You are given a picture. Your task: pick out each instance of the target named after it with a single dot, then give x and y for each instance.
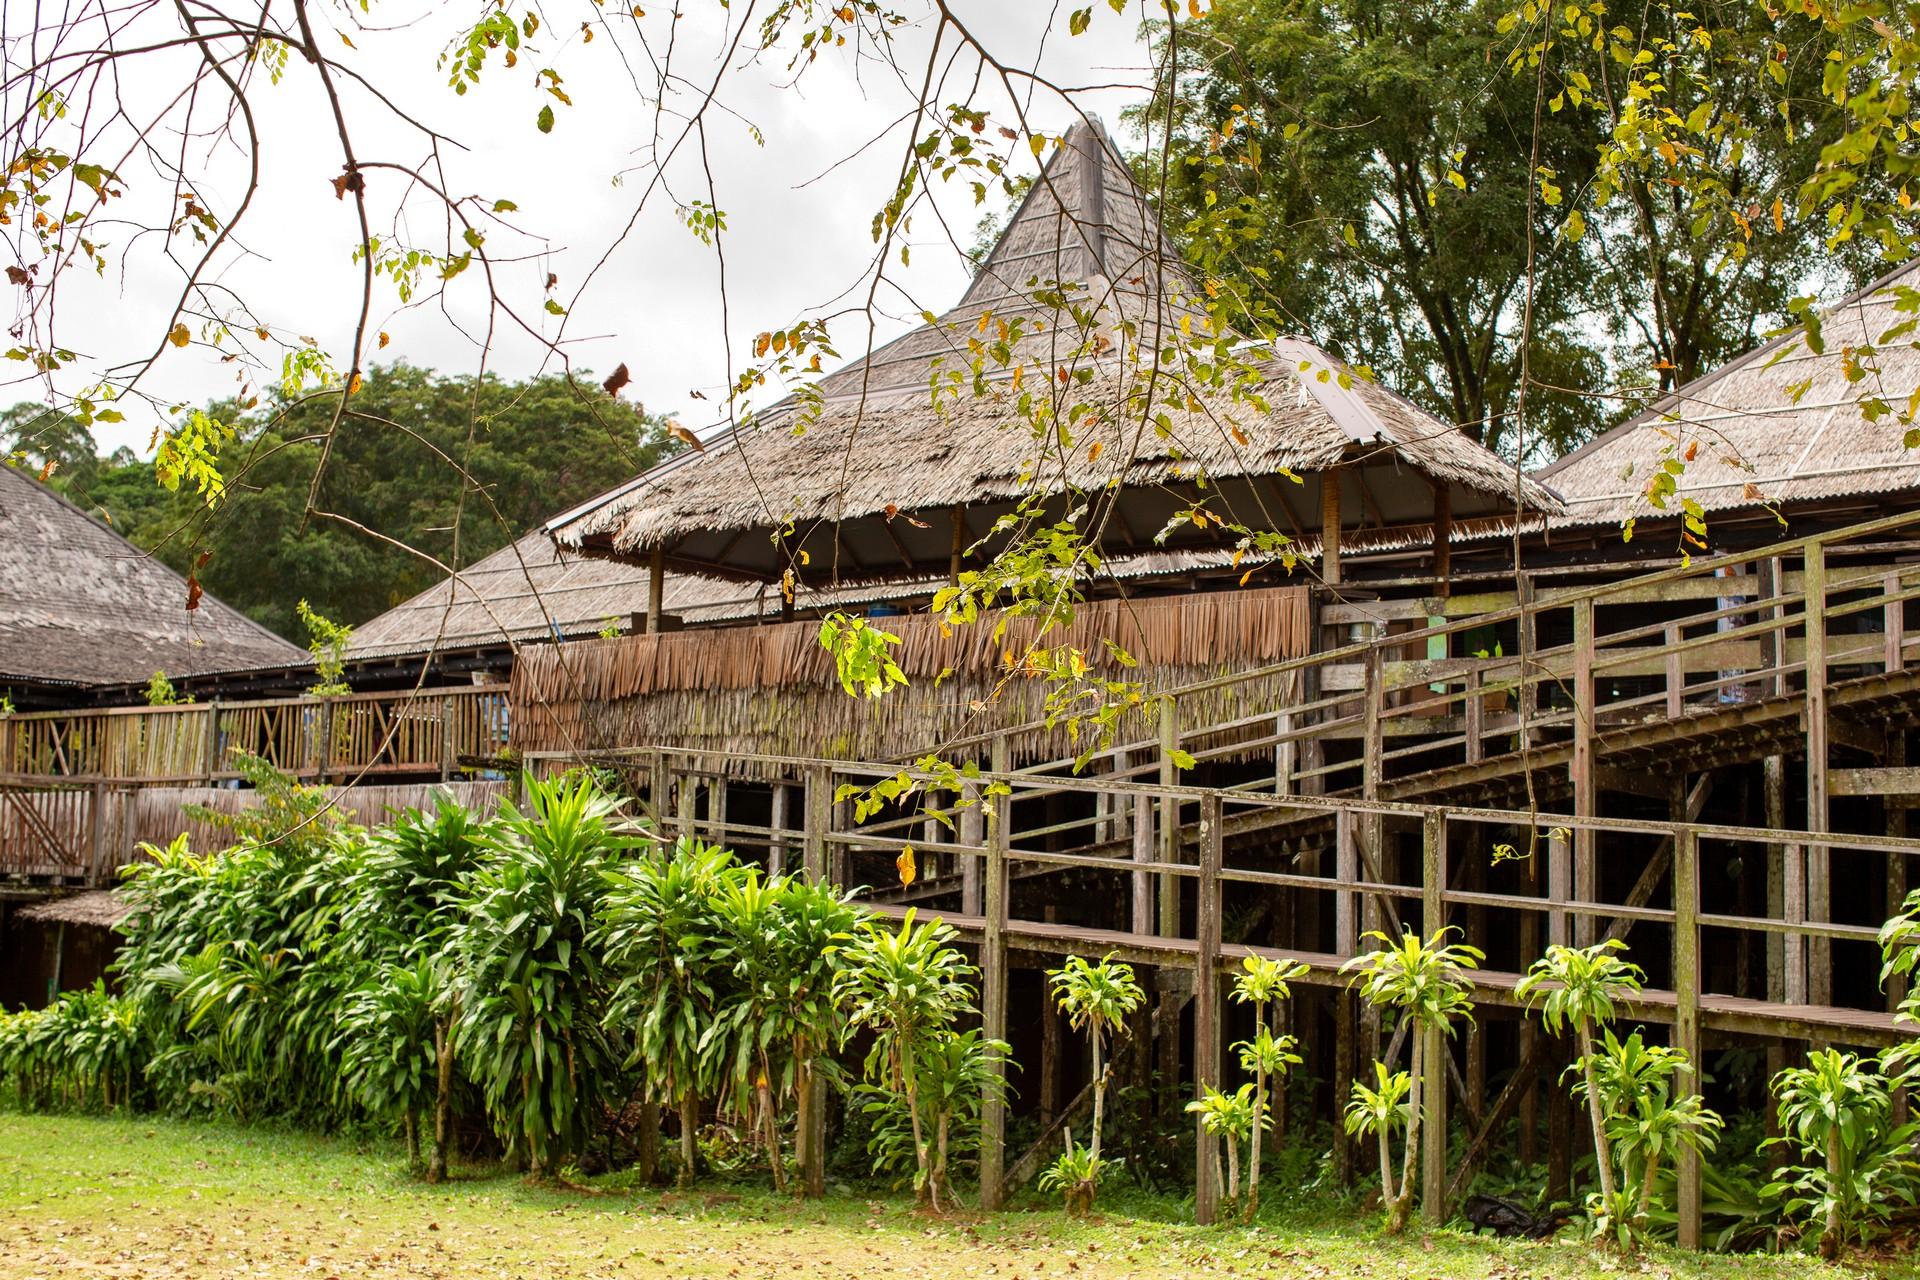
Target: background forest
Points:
(532, 447)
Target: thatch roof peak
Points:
(83, 606)
(821, 483)
(1780, 424)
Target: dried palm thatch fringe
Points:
(772, 689)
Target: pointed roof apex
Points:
(1084, 221)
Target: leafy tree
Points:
(1230, 1117)
(530, 447)
(1424, 980)
(1329, 131)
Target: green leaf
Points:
(544, 122)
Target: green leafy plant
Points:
(1855, 1166)
(328, 642)
(160, 691)
(906, 987)
(1097, 999)
(1230, 1117)
(1424, 980)
(1649, 1122)
(1263, 980)
(1075, 1173)
(532, 985)
(862, 655)
(1580, 988)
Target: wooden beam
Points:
(1818, 860)
(1900, 781)
(656, 587)
(1206, 1005)
(993, 991)
(1330, 526)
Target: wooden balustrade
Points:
(432, 731)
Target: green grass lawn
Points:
(84, 1196)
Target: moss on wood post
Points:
(1686, 1014)
(993, 989)
(1818, 858)
(1206, 1005)
(1433, 1090)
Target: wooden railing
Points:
(433, 731)
(1166, 858)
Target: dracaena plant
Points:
(1229, 1117)
(1425, 982)
(1097, 999)
(1262, 981)
(906, 986)
(1650, 1121)
(662, 935)
(1580, 988)
(1853, 1166)
(532, 983)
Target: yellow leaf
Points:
(178, 335)
(261, 333)
(904, 864)
(353, 385)
(1779, 214)
(1093, 451)
(384, 339)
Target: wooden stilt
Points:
(1206, 1003)
(993, 991)
(1169, 841)
(1433, 1090)
(1586, 869)
(817, 806)
(778, 819)
(1686, 1016)
(1817, 857)
(972, 835)
(1049, 1046)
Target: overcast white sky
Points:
(798, 228)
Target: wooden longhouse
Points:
(1470, 703)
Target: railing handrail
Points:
(224, 706)
(1559, 598)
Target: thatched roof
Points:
(864, 492)
(1752, 439)
(102, 908)
(81, 605)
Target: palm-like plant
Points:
(907, 987)
(390, 1053)
(1097, 999)
(1836, 1113)
(661, 934)
(1580, 987)
(1230, 1117)
(1424, 979)
(1647, 1123)
(531, 975)
(780, 939)
(1262, 981)
(1380, 1112)
(1075, 1174)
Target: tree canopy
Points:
(528, 448)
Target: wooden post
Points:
(959, 545)
(1817, 858)
(1346, 935)
(97, 835)
(1586, 870)
(1443, 537)
(816, 800)
(686, 798)
(777, 819)
(213, 740)
(717, 810)
(1433, 1088)
(973, 835)
(1893, 616)
(1559, 891)
(993, 991)
(1686, 1012)
(1474, 711)
(1169, 841)
(1330, 526)
(448, 720)
(1050, 1046)
(1142, 914)
(1676, 678)
(656, 587)
(1206, 1004)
